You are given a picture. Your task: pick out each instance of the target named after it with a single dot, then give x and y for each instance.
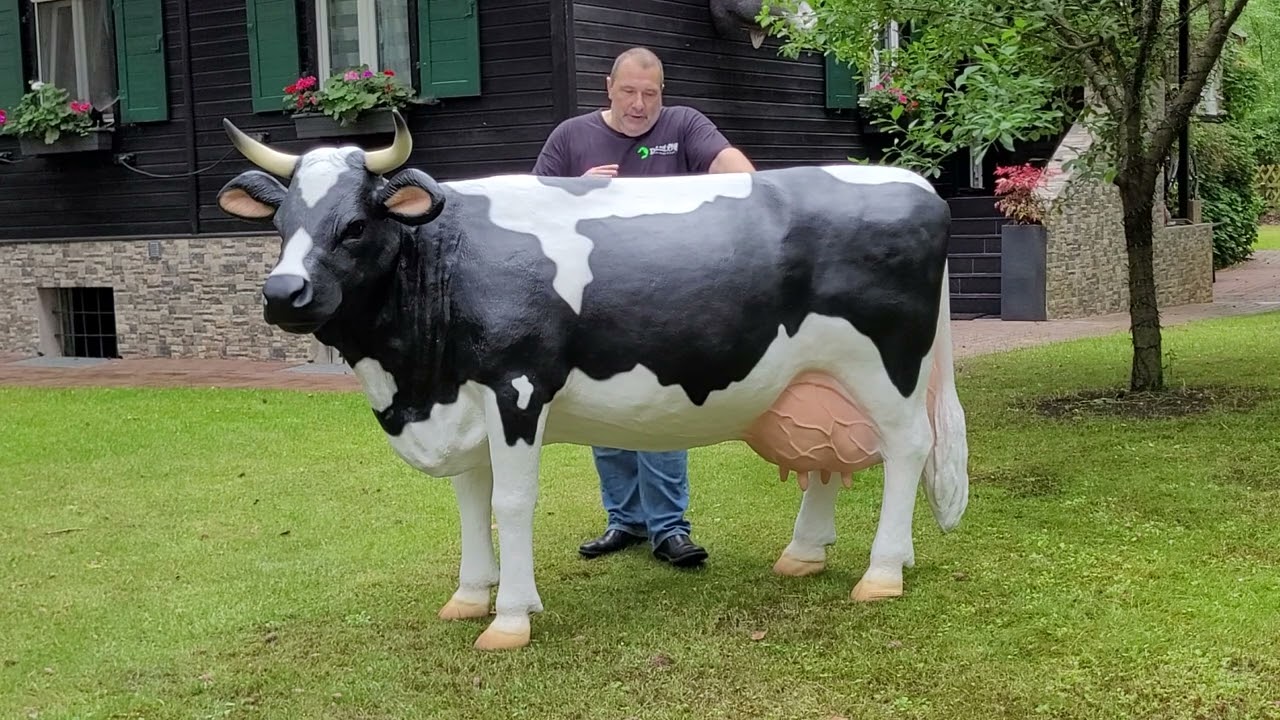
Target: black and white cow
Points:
(803, 310)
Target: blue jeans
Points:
(645, 493)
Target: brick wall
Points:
(199, 298)
(1087, 268)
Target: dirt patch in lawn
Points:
(1168, 403)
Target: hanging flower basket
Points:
(355, 102)
(47, 122)
(97, 139)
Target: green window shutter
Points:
(842, 84)
(140, 69)
(448, 48)
(273, 51)
(12, 81)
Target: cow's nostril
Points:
(287, 289)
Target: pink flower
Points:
(902, 98)
(351, 75)
(367, 73)
(3, 117)
(80, 107)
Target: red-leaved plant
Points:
(1016, 187)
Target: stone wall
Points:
(1087, 267)
(199, 298)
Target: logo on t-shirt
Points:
(665, 149)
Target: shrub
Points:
(1016, 187)
(1225, 166)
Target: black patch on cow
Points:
(695, 297)
(578, 186)
(698, 298)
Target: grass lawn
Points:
(201, 554)
(1268, 238)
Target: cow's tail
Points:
(946, 472)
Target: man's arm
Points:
(553, 160)
(709, 150)
(731, 159)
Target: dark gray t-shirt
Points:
(681, 142)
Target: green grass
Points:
(1268, 238)
(262, 554)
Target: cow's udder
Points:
(816, 426)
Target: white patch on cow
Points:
(523, 204)
(293, 259)
(379, 385)
(633, 410)
(525, 390)
(875, 175)
(451, 440)
(319, 170)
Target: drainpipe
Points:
(1184, 137)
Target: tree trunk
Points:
(1138, 201)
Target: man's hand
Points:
(602, 171)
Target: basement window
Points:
(85, 318)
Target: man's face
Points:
(635, 97)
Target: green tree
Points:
(998, 71)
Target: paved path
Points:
(1252, 287)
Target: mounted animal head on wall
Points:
(340, 219)
(734, 18)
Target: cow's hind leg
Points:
(907, 440)
(814, 530)
(478, 570)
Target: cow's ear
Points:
(252, 195)
(411, 197)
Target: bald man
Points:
(645, 494)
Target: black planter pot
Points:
(1022, 272)
(372, 122)
(95, 141)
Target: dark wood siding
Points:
(501, 130)
(771, 107)
(88, 195)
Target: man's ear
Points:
(411, 197)
(251, 195)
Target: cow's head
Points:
(732, 17)
(338, 219)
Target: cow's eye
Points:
(354, 230)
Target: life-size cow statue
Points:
(803, 310)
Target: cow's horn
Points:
(390, 158)
(273, 161)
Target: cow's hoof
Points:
(457, 609)
(502, 639)
(869, 589)
(792, 567)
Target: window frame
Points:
(367, 27)
(80, 43)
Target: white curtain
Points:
(344, 34)
(56, 30)
(100, 31)
(393, 37)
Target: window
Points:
(889, 42)
(75, 40)
(363, 32)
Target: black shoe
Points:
(680, 551)
(611, 541)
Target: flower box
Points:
(317, 125)
(96, 140)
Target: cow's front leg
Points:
(814, 530)
(515, 443)
(478, 570)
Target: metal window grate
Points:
(87, 322)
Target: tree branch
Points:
(1092, 67)
(1197, 74)
(1138, 82)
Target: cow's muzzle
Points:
(287, 303)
